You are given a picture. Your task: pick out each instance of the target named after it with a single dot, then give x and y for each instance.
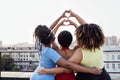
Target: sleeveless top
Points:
(65, 76)
(93, 58)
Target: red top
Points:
(65, 76)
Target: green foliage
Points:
(7, 63)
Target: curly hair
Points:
(90, 36)
(65, 38)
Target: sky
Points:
(19, 18)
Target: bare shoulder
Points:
(76, 57)
(78, 51)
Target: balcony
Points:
(25, 59)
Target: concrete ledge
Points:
(16, 74)
(26, 75)
(115, 76)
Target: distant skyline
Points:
(19, 18)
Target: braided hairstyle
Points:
(90, 36)
(44, 34)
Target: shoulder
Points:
(49, 50)
(51, 53)
(78, 50)
(77, 56)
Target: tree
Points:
(7, 63)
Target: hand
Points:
(67, 13)
(67, 23)
(96, 71)
(71, 22)
(72, 14)
(41, 71)
(64, 14)
(64, 23)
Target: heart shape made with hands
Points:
(67, 14)
(66, 23)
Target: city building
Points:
(0, 43)
(112, 59)
(111, 41)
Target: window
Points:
(21, 55)
(113, 57)
(118, 57)
(107, 65)
(113, 66)
(118, 66)
(107, 57)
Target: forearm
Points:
(72, 66)
(58, 25)
(55, 23)
(56, 70)
(79, 68)
(56, 28)
(80, 20)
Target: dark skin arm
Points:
(56, 70)
(57, 20)
(78, 18)
(70, 66)
(64, 63)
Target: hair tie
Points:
(50, 34)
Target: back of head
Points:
(65, 38)
(43, 34)
(90, 36)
